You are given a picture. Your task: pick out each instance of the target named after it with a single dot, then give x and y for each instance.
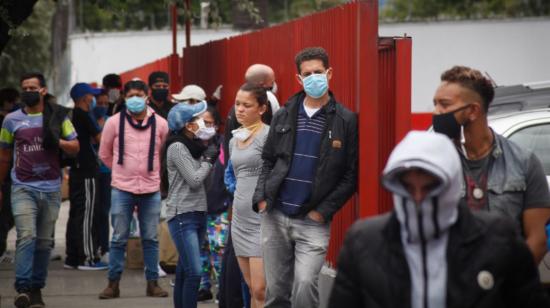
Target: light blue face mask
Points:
(135, 104)
(94, 104)
(315, 85)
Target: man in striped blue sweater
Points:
(309, 172)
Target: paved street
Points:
(71, 288)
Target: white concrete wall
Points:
(94, 55)
(511, 51)
(97, 54)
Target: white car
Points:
(522, 114)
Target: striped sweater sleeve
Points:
(180, 158)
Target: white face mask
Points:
(114, 95)
(204, 133)
(242, 134)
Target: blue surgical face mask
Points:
(135, 104)
(315, 85)
(100, 111)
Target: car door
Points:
(535, 135)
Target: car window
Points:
(537, 139)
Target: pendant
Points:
(478, 193)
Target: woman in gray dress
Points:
(245, 150)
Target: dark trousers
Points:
(81, 242)
(6, 217)
(230, 293)
(103, 206)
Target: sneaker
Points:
(162, 273)
(55, 257)
(70, 267)
(7, 258)
(36, 299)
(97, 266)
(172, 283)
(105, 258)
(22, 300)
(204, 295)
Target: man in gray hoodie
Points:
(430, 251)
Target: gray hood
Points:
(436, 154)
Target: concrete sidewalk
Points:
(73, 288)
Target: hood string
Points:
(407, 227)
(435, 212)
(424, 253)
(124, 116)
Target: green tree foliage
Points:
(29, 46)
(113, 15)
(410, 10)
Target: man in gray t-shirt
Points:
(536, 190)
(499, 176)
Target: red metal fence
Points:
(371, 77)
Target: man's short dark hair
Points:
(36, 75)
(135, 85)
(111, 81)
(311, 53)
(473, 80)
(8, 95)
(158, 76)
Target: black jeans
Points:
(6, 216)
(230, 293)
(81, 242)
(103, 206)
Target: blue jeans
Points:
(188, 231)
(35, 214)
(122, 207)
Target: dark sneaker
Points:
(69, 266)
(36, 299)
(204, 295)
(97, 266)
(22, 300)
(55, 257)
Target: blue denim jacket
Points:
(507, 179)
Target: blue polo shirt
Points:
(296, 188)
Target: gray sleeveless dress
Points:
(245, 226)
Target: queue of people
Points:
(249, 210)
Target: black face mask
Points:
(447, 124)
(30, 99)
(160, 95)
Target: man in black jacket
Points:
(309, 172)
(430, 251)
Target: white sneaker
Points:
(105, 258)
(161, 272)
